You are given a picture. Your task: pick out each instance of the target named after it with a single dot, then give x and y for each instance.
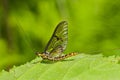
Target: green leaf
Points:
(80, 67)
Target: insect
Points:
(57, 44)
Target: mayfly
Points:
(57, 44)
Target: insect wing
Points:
(57, 43)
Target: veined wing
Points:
(58, 41)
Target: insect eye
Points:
(37, 53)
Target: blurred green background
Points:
(27, 25)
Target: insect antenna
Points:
(26, 38)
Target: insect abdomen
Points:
(62, 57)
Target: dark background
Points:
(27, 25)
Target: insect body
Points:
(57, 44)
